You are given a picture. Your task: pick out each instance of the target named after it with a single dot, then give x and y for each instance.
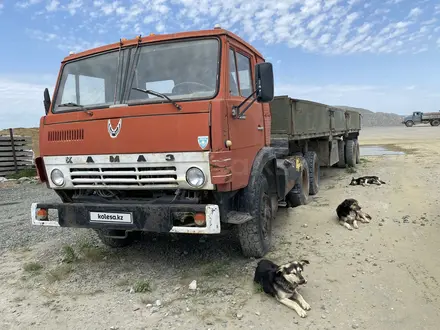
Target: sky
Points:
(381, 55)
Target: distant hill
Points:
(370, 118)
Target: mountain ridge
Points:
(370, 118)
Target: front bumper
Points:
(144, 217)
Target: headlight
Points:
(195, 177)
(57, 177)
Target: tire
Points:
(341, 151)
(114, 242)
(256, 235)
(409, 123)
(350, 152)
(314, 171)
(435, 122)
(358, 152)
(299, 195)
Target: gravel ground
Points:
(15, 201)
(381, 276)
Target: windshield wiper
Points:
(71, 104)
(149, 91)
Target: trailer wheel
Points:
(299, 195)
(341, 151)
(409, 123)
(255, 235)
(358, 152)
(350, 153)
(105, 237)
(435, 122)
(314, 171)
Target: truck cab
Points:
(416, 117)
(161, 133)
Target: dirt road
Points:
(384, 275)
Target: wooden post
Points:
(11, 134)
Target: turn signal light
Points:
(200, 219)
(42, 214)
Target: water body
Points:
(378, 151)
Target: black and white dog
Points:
(349, 211)
(366, 180)
(282, 282)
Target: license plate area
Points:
(111, 217)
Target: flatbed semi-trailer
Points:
(183, 135)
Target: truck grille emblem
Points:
(114, 131)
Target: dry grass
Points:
(350, 169)
(214, 268)
(59, 273)
(32, 267)
(69, 254)
(142, 286)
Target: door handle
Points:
(260, 128)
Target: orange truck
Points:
(172, 134)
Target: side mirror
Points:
(46, 101)
(264, 82)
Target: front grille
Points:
(120, 177)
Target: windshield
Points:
(183, 70)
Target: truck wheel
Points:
(358, 152)
(341, 150)
(409, 123)
(255, 235)
(350, 153)
(435, 122)
(299, 195)
(104, 234)
(314, 171)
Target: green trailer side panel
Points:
(281, 115)
(337, 120)
(310, 118)
(299, 119)
(353, 120)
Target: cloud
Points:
(22, 100)
(333, 27)
(65, 43)
(52, 5)
(26, 4)
(415, 12)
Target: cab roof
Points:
(162, 37)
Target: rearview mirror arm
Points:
(236, 108)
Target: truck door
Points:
(247, 135)
(417, 116)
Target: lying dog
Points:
(366, 180)
(349, 211)
(282, 282)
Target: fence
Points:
(15, 153)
